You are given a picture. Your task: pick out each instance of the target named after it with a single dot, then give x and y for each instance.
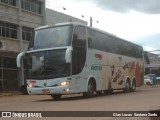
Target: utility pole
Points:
(44, 13)
(20, 70)
(91, 21)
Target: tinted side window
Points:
(91, 39)
(79, 49)
(96, 40)
(79, 37)
(108, 43)
(128, 49)
(100, 41)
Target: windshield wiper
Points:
(48, 70)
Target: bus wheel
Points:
(56, 96)
(91, 89)
(127, 88)
(133, 88)
(23, 89)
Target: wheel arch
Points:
(92, 78)
(90, 87)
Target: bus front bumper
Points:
(49, 90)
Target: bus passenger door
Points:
(79, 53)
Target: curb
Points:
(5, 94)
(13, 93)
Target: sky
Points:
(137, 21)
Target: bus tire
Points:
(133, 88)
(127, 87)
(90, 89)
(23, 89)
(56, 96)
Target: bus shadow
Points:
(62, 99)
(80, 97)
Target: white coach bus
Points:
(73, 58)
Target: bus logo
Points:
(45, 84)
(96, 67)
(99, 56)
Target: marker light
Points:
(68, 90)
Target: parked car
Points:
(148, 79)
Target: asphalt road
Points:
(145, 98)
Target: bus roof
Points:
(60, 24)
(76, 23)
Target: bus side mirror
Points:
(19, 58)
(69, 55)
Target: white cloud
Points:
(124, 6)
(131, 25)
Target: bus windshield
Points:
(58, 36)
(47, 64)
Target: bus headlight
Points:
(64, 83)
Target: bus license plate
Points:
(45, 91)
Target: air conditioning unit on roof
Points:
(2, 45)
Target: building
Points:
(53, 17)
(153, 67)
(18, 18)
